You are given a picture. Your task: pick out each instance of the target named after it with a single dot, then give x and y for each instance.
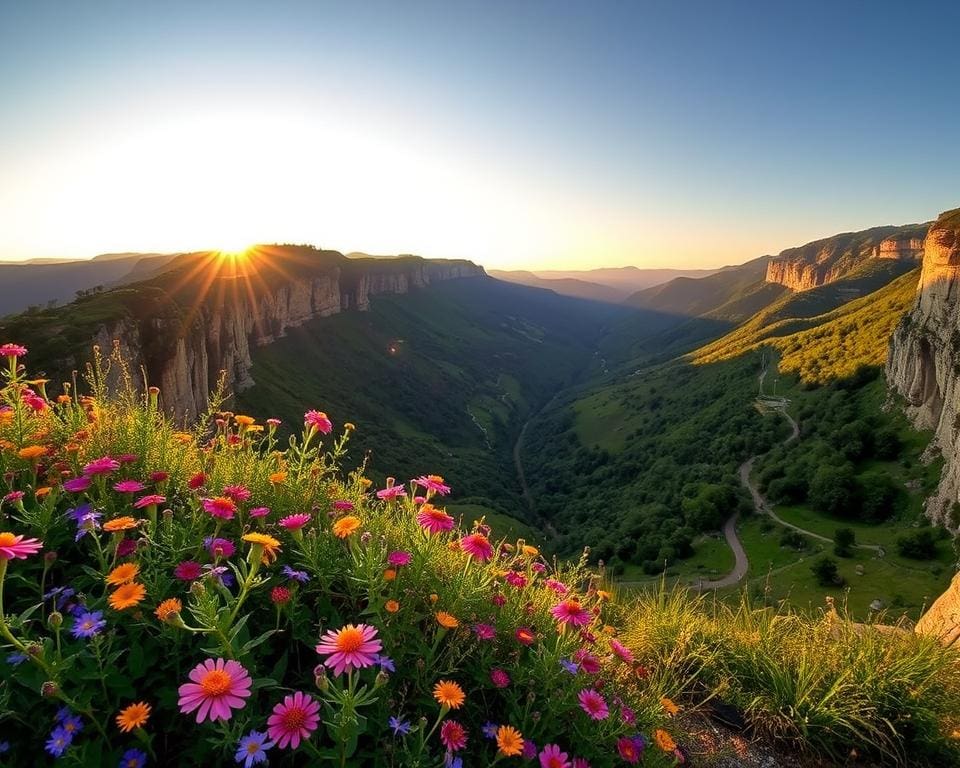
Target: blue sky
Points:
(518, 134)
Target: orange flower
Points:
(119, 524)
(245, 421)
(183, 438)
(269, 545)
(32, 452)
(366, 482)
(345, 526)
(530, 551)
(449, 694)
(134, 716)
(669, 706)
(349, 426)
(434, 597)
(602, 595)
(509, 740)
(122, 574)
(277, 477)
(664, 740)
(127, 596)
(447, 620)
(42, 491)
(168, 608)
(392, 606)
(389, 574)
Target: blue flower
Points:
(385, 663)
(450, 761)
(133, 758)
(293, 575)
(252, 749)
(400, 727)
(62, 714)
(569, 666)
(58, 742)
(490, 730)
(72, 724)
(14, 659)
(4, 747)
(88, 624)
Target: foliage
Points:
(825, 570)
(843, 541)
(163, 548)
(919, 545)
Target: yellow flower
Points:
(391, 606)
(663, 740)
(509, 740)
(449, 694)
(447, 620)
(127, 595)
(134, 716)
(269, 545)
(122, 574)
(168, 608)
(346, 526)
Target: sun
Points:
(235, 252)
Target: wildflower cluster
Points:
(209, 596)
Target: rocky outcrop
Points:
(830, 259)
(923, 364)
(942, 619)
(185, 347)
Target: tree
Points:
(832, 489)
(827, 573)
(919, 545)
(843, 541)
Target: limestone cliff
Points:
(924, 359)
(832, 258)
(206, 314)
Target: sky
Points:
(518, 134)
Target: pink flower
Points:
(399, 558)
(499, 600)
(571, 612)
(516, 579)
(12, 351)
(188, 570)
(102, 466)
(580, 762)
(538, 567)
(391, 492)
(217, 688)
(126, 547)
(593, 704)
(621, 651)
(628, 716)
(433, 483)
(196, 482)
(295, 522)
(342, 505)
(149, 501)
(478, 546)
(220, 547)
(274, 423)
(557, 586)
(220, 506)
(630, 748)
(351, 647)
(525, 635)
(587, 661)
(76, 484)
(453, 735)
(317, 420)
(237, 492)
(484, 631)
(552, 757)
(16, 547)
(127, 458)
(128, 486)
(12, 497)
(499, 678)
(158, 477)
(33, 401)
(259, 512)
(293, 720)
(434, 520)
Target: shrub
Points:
(919, 545)
(826, 572)
(843, 541)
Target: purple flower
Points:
(569, 666)
(72, 724)
(16, 659)
(133, 758)
(252, 749)
(76, 484)
(88, 624)
(58, 742)
(385, 663)
(218, 547)
(399, 727)
(490, 730)
(293, 575)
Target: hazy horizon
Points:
(536, 137)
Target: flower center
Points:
(294, 718)
(253, 748)
(216, 683)
(7, 539)
(349, 640)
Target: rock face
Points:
(186, 346)
(832, 258)
(942, 619)
(923, 363)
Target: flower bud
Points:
(381, 679)
(50, 557)
(197, 589)
(320, 678)
(49, 689)
(55, 620)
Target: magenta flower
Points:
(102, 466)
(516, 579)
(485, 631)
(295, 522)
(499, 678)
(571, 612)
(127, 458)
(552, 757)
(219, 547)
(14, 547)
(293, 720)
(433, 483)
(217, 688)
(391, 492)
(317, 420)
(149, 501)
(350, 647)
(128, 486)
(188, 570)
(477, 546)
(434, 520)
(126, 547)
(593, 704)
(12, 351)
(77, 484)
(630, 748)
(220, 506)
(621, 651)
(342, 505)
(557, 586)
(399, 558)
(12, 497)
(587, 661)
(259, 512)
(238, 493)
(453, 735)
